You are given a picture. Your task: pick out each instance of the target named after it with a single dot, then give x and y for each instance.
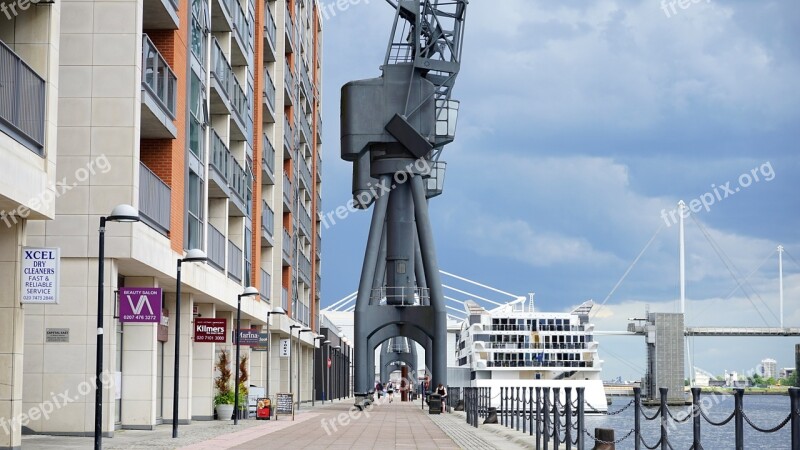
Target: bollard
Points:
(696, 418)
(568, 417)
(581, 413)
(637, 418)
(664, 414)
(738, 396)
(516, 411)
(538, 418)
(524, 414)
(605, 435)
(794, 396)
(502, 406)
(556, 420)
(546, 418)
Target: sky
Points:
(582, 125)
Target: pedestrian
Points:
(390, 391)
(442, 391)
(379, 388)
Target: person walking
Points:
(390, 391)
(379, 388)
(442, 391)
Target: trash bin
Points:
(435, 404)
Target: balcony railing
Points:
(239, 19)
(288, 134)
(222, 71)
(304, 266)
(305, 127)
(269, 89)
(154, 200)
(285, 300)
(267, 219)
(157, 77)
(305, 80)
(270, 27)
(216, 248)
(288, 79)
(287, 244)
(266, 284)
(22, 102)
(305, 221)
(305, 174)
(228, 167)
(289, 29)
(234, 261)
(288, 189)
(269, 155)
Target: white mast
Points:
(780, 278)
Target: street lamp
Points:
(120, 213)
(335, 392)
(317, 338)
(326, 372)
(249, 291)
(193, 255)
(341, 365)
(299, 344)
(280, 312)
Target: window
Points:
(198, 29)
(194, 234)
(248, 254)
(199, 119)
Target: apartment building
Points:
(28, 115)
(204, 115)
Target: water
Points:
(765, 411)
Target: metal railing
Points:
(270, 26)
(285, 299)
(22, 98)
(533, 346)
(305, 127)
(267, 219)
(216, 248)
(400, 295)
(154, 199)
(269, 89)
(288, 245)
(239, 19)
(509, 327)
(234, 261)
(288, 79)
(223, 161)
(306, 82)
(266, 284)
(157, 77)
(519, 363)
(288, 189)
(269, 155)
(222, 71)
(288, 134)
(305, 174)
(289, 26)
(304, 267)
(305, 221)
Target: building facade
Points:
(768, 368)
(205, 116)
(29, 55)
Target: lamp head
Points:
(123, 213)
(326, 342)
(195, 255)
(249, 291)
(277, 310)
(305, 330)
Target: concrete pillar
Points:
(797, 365)
(203, 360)
(139, 369)
(11, 335)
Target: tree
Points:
(222, 382)
(243, 377)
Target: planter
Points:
(224, 412)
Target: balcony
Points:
(305, 136)
(160, 15)
(288, 248)
(305, 222)
(305, 174)
(22, 102)
(266, 285)
(159, 85)
(228, 97)
(269, 98)
(319, 127)
(234, 262)
(285, 300)
(267, 223)
(289, 30)
(228, 177)
(288, 136)
(154, 200)
(289, 86)
(241, 52)
(318, 285)
(216, 248)
(304, 269)
(270, 34)
(268, 162)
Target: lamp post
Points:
(335, 392)
(291, 353)
(120, 213)
(317, 338)
(343, 348)
(193, 255)
(326, 371)
(299, 354)
(249, 291)
(276, 311)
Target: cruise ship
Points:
(514, 346)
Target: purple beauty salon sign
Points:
(140, 305)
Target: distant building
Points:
(786, 372)
(768, 368)
(701, 379)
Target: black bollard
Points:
(516, 411)
(524, 409)
(637, 418)
(794, 396)
(568, 417)
(556, 420)
(546, 418)
(696, 417)
(664, 414)
(538, 418)
(491, 416)
(738, 396)
(581, 416)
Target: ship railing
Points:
(573, 328)
(555, 364)
(534, 346)
(400, 296)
